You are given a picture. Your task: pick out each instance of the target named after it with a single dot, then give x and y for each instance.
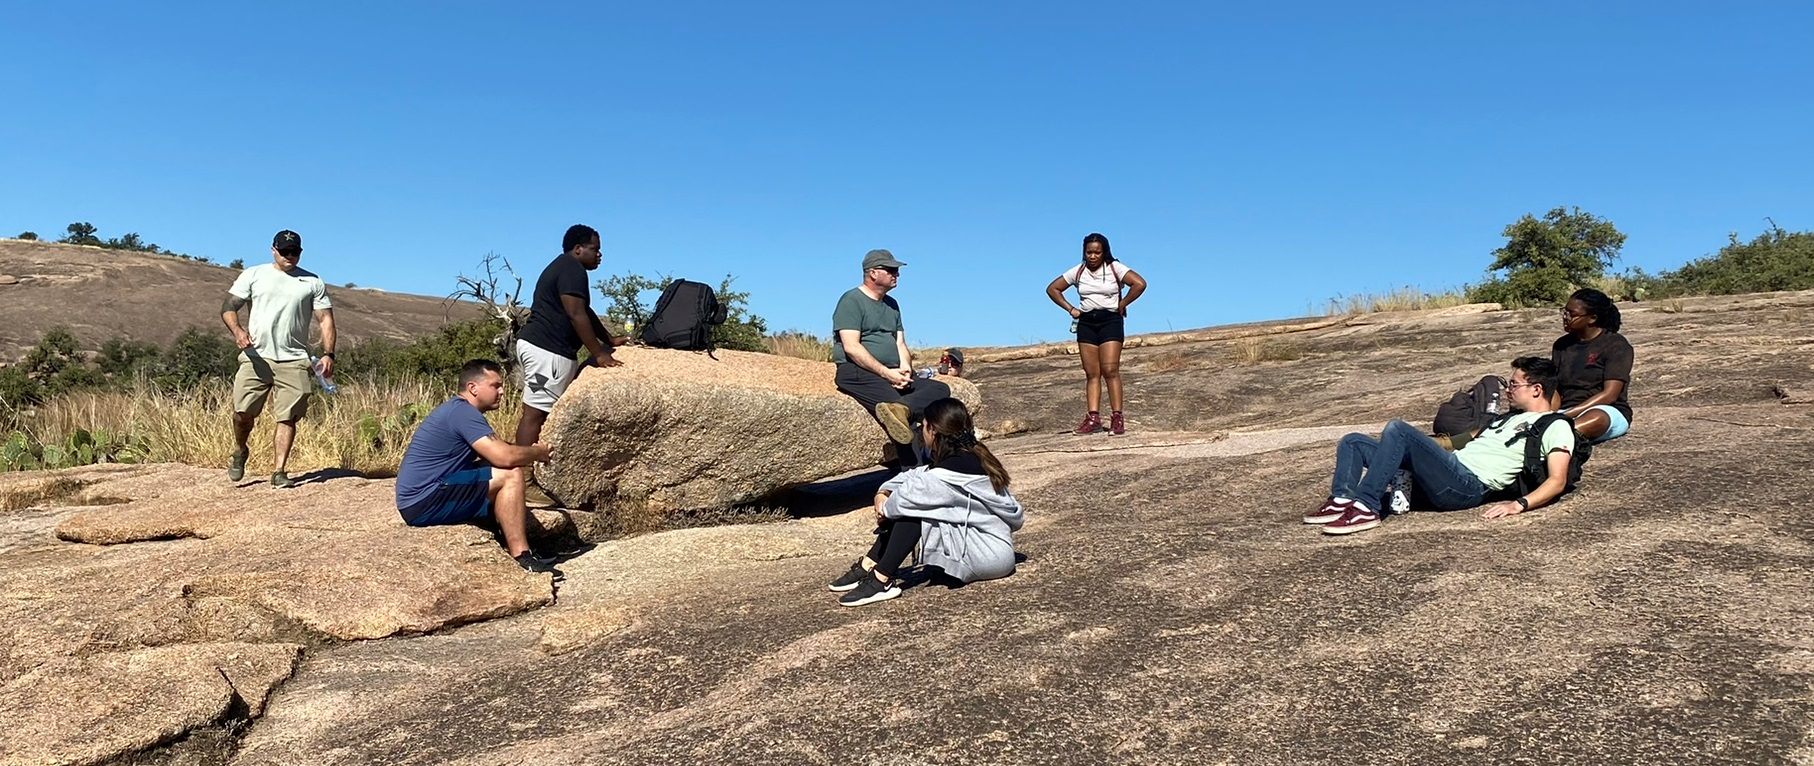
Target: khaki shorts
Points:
(257, 378)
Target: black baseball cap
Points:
(287, 240)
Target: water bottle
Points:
(327, 384)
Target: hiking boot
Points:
(282, 480)
(1359, 518)
(870, 590)
(1116, 426)
(534, 497)
(532, 563)
(852, 578)
(1333, 509)
(236, 466)
(1091, 424)
(894, 416)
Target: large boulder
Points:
(678, 430)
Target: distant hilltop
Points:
(100, 294)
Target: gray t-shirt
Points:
(878, 321)
(282, 304)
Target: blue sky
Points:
(1251, 162)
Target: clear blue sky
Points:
(1251, 162)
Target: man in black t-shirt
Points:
(561, 322)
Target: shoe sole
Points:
(894, 420)
(883, 596)
(1352, 528)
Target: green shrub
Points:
(196, 355)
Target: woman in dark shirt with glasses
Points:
(1595, 363)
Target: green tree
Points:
(121, 359)
(81, 233)
(625, 309)
(1774, 260)
(196, 355)
(1543, 260)
(29, 236)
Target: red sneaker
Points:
(1359, 518)
(1332, 510)
(1116, 426)
(1091, 424)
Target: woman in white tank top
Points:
(1105, 287)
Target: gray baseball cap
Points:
(880, 259)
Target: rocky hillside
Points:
(101, 294)
(1172, 607)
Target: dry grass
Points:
(1256, 350)
(1402, 299)
(1169, 361)
(799, 345)
(196, 427)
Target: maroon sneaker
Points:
(1116, 426)
(1332, 510)
(1091, 424)
(1359, 518)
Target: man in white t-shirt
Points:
(274, 348)
(1488, 464)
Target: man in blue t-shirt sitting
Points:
(456, 469)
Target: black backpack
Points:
(684, 317)
(1536, 463)
(1470, 409)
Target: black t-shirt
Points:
(548, 326)
(1586, 367)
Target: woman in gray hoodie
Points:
(955, 514)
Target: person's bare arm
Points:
(852, 341)
(575, 307)
(325, 317)
(1135, 286)
(500, 454)
(1055, 291)
(1609, 393)
(1550, 489)
(229, 313)
(900, 346)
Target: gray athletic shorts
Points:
(546, 374)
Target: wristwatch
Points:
(1523, 504)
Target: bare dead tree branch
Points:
(499, 303)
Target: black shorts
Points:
(1099, 326)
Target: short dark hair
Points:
(1598, 306)
(1539, 370)
(475, 370)
(577, 234)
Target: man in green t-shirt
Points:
(874, 367)
(1489, 463)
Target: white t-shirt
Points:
(1099, 289)
(282, 304)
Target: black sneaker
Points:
(282, 480)
(236, 467)
(851, 578)
(532, 563)
(869, 591)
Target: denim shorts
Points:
(461, 496)
(1617, 426)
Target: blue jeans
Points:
(1365, 465)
